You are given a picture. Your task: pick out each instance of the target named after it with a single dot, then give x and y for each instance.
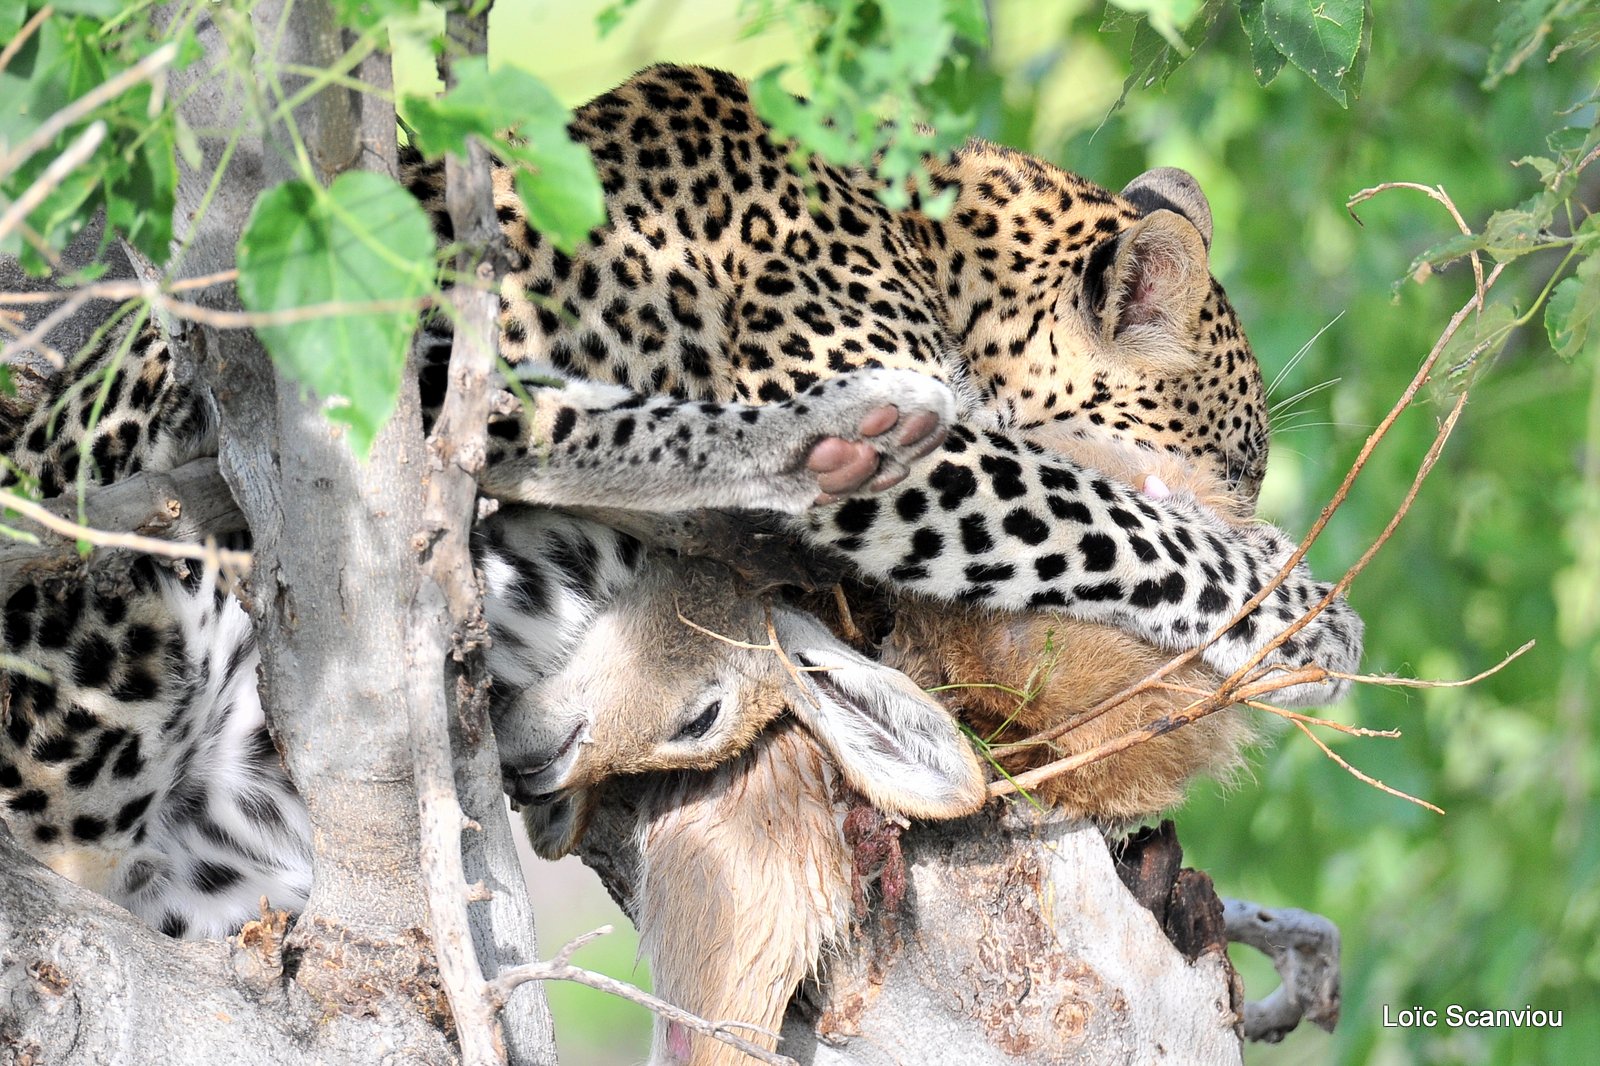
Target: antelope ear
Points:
(554, 828)
(894, 743)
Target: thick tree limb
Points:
(1018, 942)
(84, 982)
(333, 605)
(1304, 949)
(182, 505)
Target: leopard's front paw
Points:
(877, 422)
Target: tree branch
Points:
(1304, 949)
(82, 981)
(448, 609)
(560, 968)
(162, 513)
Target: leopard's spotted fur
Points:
(716, 285)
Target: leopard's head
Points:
(1104, 319)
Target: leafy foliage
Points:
(1161, 43)
(880, 73)
(555, 177)
(1326, 39)
(363, 241)
(132, 175)
(1498, 903)
(1569, 316)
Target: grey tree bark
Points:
(336, 572)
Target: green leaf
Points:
(367, 14)
(879, 70)
(13, 14)
(608, 18)
(794, 118)
(969, 19)
(1153, 58)
(1166, 17)
(1474, 346)
(555, 177)
(1507, 235)
(363, 239)
(1321, 37)
(1570, 314)
(1519, 31)
(1265, 59)
(1518, 230)
(7, 386)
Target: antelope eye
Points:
(701, 724)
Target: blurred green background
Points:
(1497, 903)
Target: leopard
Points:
(736, 335)
(1049, 306)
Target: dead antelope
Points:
(681, 672)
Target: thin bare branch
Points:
(233, 562)
(773, 645)
(1341, 586)
(1413, 682)
(1373, 781)
(1245, 683)
(847, 622)
(559, 969)
(13, 46)
(1293, 716)
(159, 298)
(168, 508)
(1437, 193)
(34, 339)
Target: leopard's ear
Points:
(1158, 282)
(1171, 189)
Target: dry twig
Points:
(159, 298)
(1373, 781)
(560, 968)
(72, 157)
(13, 46)
(1411, 682)
(773, 645)
(236, 563)
(1437, 193)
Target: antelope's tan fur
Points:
(745, 878)
(745, 885)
